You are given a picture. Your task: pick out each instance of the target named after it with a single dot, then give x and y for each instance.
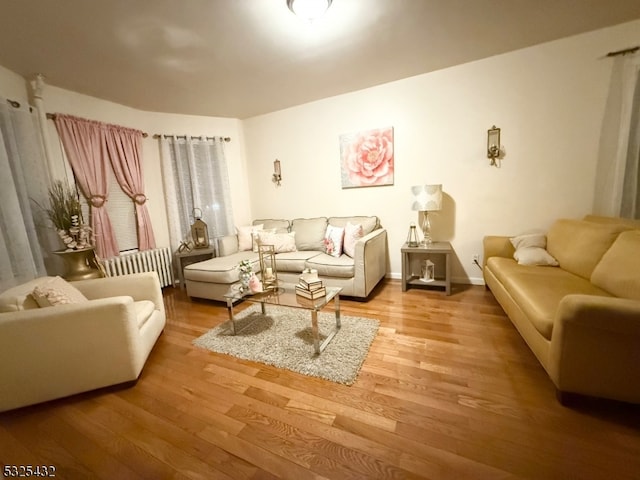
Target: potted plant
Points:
(65, 213)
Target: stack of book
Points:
(310, 288)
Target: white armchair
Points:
(52, 352)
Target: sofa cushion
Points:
(328, 266)
(309, 232)
(281, 226)
(578, 245)
(627, 222)
(619, 270)
(57, 291)
(294, 261)
(333, 240)
(534, 256)
(529, 240)
(247, 235)
(538, 290)
(282, 242)
(352, 233)
(220, 269)
(19, 297)
(369, 224)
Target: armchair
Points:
(52, 352)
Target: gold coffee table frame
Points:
(285, 296)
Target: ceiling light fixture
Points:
(309, 9)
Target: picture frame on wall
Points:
(367, 158)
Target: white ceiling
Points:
(241, 58)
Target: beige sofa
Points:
(581, 319)
(357, 275)
(56, 351)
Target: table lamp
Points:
(426, 198)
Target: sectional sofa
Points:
(574, 296)
(301, 243)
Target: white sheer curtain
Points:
(24, 181)
(618, 172)
(194, 172)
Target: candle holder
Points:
(268, 269)
(412, 236)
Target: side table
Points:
(442, 278)
(187, 258)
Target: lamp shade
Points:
(427, 198)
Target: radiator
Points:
(156, 260)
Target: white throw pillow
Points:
(529, 240)
(282, 242)
(534, 256)
(333, 238)
(352, 233)
(57, 291)
(246, 237)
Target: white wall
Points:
(13, 86)
(548, 100)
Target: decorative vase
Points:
(81, 264)
(244, 278)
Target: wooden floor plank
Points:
(449, 390)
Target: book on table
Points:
(311, 294)
(310, 284)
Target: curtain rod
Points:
(52, 116)
(624, 51)
(159, 135)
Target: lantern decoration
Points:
(199, 231)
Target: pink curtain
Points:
(86, 150)
(125, 151)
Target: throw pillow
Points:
(352, 233)
(333, 238)
(534, 256)
(529, 240)
(57, 291)
(282, 242)
(246, 237)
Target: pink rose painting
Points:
(367, 158)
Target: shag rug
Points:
(283, 338)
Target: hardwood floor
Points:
(449, 390)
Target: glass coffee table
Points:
(285, 296)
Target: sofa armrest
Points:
(57, 351)
(594, 347)
(370, 262)
(139, 286)
(227, 245)
(496, 246)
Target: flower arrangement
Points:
(66, 215)
(245, 267)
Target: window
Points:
(195, 176)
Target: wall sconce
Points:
(493, 145)
(277, 175)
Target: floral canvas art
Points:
(367, 158)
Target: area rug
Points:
(283, 338)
